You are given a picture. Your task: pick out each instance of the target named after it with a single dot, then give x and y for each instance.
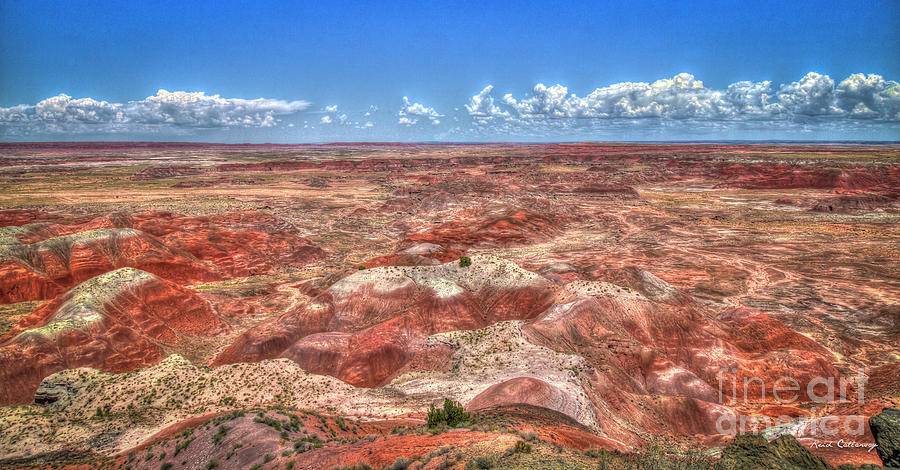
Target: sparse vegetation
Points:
(656, 455)
(341, 424)
(400, 464)
(102, 412)
(465, 261)
(359, 466)
(220, 434)
(483, 462)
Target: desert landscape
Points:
(583, 305)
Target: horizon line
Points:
(463, 142)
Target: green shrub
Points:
(217, 437)
(165, 466)
(522, 447)
(452, 414)
(436, 416)
(274, 423)
(341, 423)
(455, 413)
(211, 465)
(103, 412)
(361, 267)
(182, 445)
(465, 261)
(596, 453)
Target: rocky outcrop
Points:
(886, 430)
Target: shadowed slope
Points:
(375, 319)
(114, 322)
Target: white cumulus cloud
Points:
(178, 109)
(813, 95)
(870, 97)
(333, 116)
(684, 98)
(410, 113)
(482, 107)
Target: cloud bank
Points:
(165, 110)
(684, 98)
(864, 107)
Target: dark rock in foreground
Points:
(752, 451)
(886, 430)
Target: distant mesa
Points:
(786, 176)
(852, 203)
(512, 227)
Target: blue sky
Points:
(634, 70)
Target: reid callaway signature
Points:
(844, 444)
